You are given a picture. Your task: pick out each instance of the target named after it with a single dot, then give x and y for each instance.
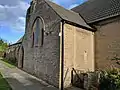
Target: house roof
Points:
(97, 10)
(68, 15)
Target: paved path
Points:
(20, 80)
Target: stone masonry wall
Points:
(43, 61)
(12, 52)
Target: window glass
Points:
(38, 33)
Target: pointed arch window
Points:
(33, 39)
(37, 32)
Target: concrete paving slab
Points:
(20, 80)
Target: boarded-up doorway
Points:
(21, 57)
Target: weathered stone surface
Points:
(43, 61)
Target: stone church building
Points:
(57, 40)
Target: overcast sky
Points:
(12, 16)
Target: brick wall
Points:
(107, 40)
(78, 51)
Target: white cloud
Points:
(64, 3)
(20, 24)
(73, 5)
(69, 3)
(12, 14)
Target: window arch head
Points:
(38, 32)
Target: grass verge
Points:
(7, 63)
(4, 84)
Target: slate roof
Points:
(68, 15)
(96, 10)
(20, 40)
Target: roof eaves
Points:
(15, 44)
(81, 26)
(105, 18)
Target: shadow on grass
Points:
(8, 63)
(4, 84)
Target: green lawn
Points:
(4, 84)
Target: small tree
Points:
(3, 45)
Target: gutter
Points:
(15, 44)
(104, 18)
(80, 26)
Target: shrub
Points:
(109, 80)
